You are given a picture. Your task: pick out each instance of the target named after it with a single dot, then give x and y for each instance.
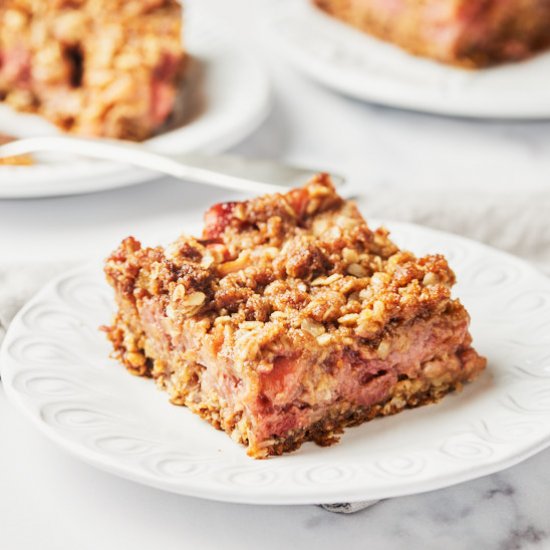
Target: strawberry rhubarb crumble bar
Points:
(471, 33)
(94, 67)
(290, 319)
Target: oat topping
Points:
(318, 269)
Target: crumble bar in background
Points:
(111, 68)
(470, 33)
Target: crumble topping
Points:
(305, 263)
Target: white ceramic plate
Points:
(236, 99)
(55, 367)
(363, 67)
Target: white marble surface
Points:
(489, 180)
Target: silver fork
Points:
(228, 171)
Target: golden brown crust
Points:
(93, 67)
(288, 309)
(319, 269)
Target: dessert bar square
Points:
(289, 319)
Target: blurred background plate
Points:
(366, 68)
(229, 97)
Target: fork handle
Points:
(136, 155)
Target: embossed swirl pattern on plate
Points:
(536, 333)
(325, 474)
(85, 292)
(402, 466)
(37, 350)
(75, 415)
(493, 276)
(246, 476)
(36, 383)
(49, 371)
(122, 445)
(468, 446)
(508, 429)
(528, 302)
(529, 398)
(51, 317)
(177, 466)
(536, 363)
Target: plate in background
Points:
(231, 95)
(56, 369)
(361, 66)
